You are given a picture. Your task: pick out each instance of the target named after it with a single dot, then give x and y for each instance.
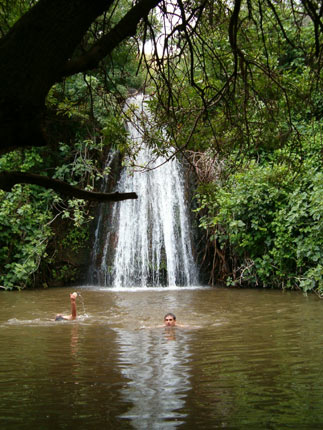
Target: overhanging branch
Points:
(125, 28)
(9, 179)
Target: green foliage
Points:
(11, 11)
(84, 121)
(27, 213)
(76, 237)
(24, 234)
(66, 274)
(243, 99)
(24, 161)
(269, 222)
(252, 100)
(299, 238)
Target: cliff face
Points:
(200, 246)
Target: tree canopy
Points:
(221, 47)
(43, 47)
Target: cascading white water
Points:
(152, 244)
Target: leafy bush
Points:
(24, 233)
(270, 224)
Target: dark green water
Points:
(248, 360)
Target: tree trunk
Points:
(38, 52)
(33, 55)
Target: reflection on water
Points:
(157, 368)
(249, 360)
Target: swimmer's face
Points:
(169, 321)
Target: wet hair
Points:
(170, 315)
(59, 318)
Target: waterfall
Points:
(148, 243)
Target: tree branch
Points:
(233, 29)
(9, 179)
(126, 27)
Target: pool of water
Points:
(247, 359)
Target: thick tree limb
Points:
(35, 54)
(38, 46)
(126, 27)
(9, 179)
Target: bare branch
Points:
(9, 179)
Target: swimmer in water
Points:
(73, 316)
(169, 320)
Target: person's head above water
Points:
(169, 320)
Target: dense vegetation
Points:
(238, 87)
(244, 102)
(44, 235)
